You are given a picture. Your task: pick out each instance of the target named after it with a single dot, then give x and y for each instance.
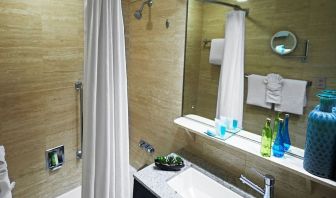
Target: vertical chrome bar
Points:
(306, 51)
(79, 87)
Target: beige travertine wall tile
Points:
(155, 63)
(41, 56)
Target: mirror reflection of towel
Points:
(257, 91)
(274, 84)
(293, 97)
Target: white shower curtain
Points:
(231, 83)
(106, 140)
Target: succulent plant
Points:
(169, 160)
(178, 160)
(161, 160)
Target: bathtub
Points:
(76, 192)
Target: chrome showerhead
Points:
(138, 13)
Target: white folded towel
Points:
(3, 164)
(293, 97)
(5, 186)
(216, 51)
(274, 84)
(256, 93)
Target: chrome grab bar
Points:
(79, 87)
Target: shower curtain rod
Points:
(236, 7)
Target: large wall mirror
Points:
(313, 20)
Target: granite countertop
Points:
(155, 180)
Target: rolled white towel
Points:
(216, 51)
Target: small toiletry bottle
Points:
(54, 159)
(229, 123)
(285, 135)
(278, 145)
(222, 131)
(234, 124)
(276, 126)
(218, 126)
(225, 121)
(266, 139)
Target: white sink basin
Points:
(193, 184)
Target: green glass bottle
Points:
(266, 139)
(276, 126)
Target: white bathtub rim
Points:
(76, 192)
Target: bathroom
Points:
(46, 47)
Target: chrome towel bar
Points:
(309, 82)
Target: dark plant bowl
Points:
(169, 167)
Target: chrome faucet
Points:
(268, 191)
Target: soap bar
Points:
(210, 133)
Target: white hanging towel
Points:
(256, 93)
(5, 186)
(230, 98)
(274, 84)
(216, 51)
(293, 97)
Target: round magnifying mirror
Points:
(283, 42)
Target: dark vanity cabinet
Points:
(139, 191)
